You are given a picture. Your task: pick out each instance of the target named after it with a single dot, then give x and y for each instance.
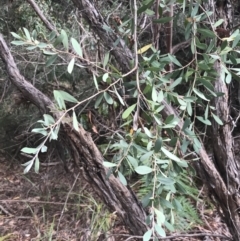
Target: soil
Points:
(54, 205)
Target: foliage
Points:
(148, 144)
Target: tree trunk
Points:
(228, 199)
(86, 155)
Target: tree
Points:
(156, 99)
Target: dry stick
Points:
(65, 204)
(40, 202)
(41, 15)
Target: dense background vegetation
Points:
(156, 85)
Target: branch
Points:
(49, 25)
(27, 89)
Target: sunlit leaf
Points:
(106, 59)
(105, 76)
(76, 46)
(144, 49)
(36, 165)
(40, 131)
(142, 170)
(71, 65)
(109, 164)
(75, 121)
(16, 35)
(29, 150)
(128, 111)
(147, 235)
(108, 98)
(27, 34)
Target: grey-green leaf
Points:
(142, 170)
(76, 46)
(75, 122)
(122, 179)
(71, 65)
(147, 235)
(128, 111)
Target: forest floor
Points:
(54, 205)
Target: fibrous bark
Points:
(87, 157)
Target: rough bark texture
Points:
(224, 157)
(88, 158)
(212, 176)
(86, 155)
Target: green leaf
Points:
(122, 179)
(195, 10)
(48, 120)
(204, 121)
(59, 39)
(160, 217)
(51, 60)
(148, 132)
(142, 170)
(18, 42)
(160, 96)
(133, 161)
(95, 81)
(169, 226)
(236, 41)
(175, 83)
(105, 76)
(160, 230)
(228, 78)
(71, 65)
(146, 156)
(75, 122)
(98, 101)
(40, 131)
(46, 52)
(147, 235)
(219, 22)
(163, 20)
(158, 145)
(29, 150)
(109, 164)
(154, 94)
(170, 155)
(28, 167)
(217, 119)
(64, 39)
(76, 46)
(108, 98)
(65, 96)
(200, 94)
(174, 60)
(128, 111)
(144, 7)
(37, 164)
(119, 97)
(27, 34)
(16, 35)
(206, 32)
(54, 135)
(106, 59)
